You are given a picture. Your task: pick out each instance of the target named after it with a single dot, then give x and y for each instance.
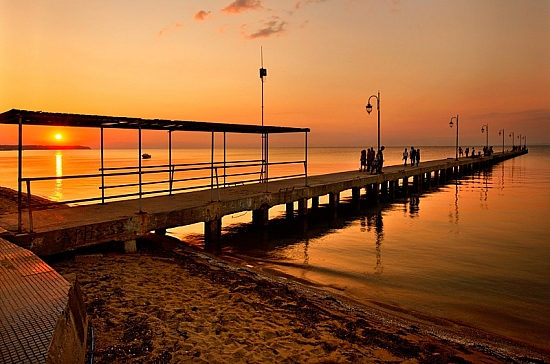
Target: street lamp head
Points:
(451, 123)
(483, 129)
(369, 108)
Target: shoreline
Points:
(172, 302)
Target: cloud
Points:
(169, 29)
(238, 6)
(272, 27)
(201, 15)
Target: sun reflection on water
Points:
(58, 189)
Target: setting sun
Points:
(58, 136)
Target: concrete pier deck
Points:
(68, 228)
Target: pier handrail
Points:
(238, 167)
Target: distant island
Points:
(42, 147)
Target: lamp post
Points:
(525, 141)
(451, 125)
(512, 135)
(369, 109)
(487, 136)
(501, 132)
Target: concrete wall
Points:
(68, 343)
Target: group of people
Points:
(414, 156)
(371, 162)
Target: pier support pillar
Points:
(260, 217)
(429, 179)
(212, 230)
(385, 187)
(130, 246)
(333, 199)
(213, 235)
(355, 194)
(448, 174)
(405, 186)
(315, 202)
(302, 207)
(290, 210)
(393, 187)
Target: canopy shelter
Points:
(97, 121)
(39, 118)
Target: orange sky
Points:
(486, 60)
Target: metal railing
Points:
(233, 173)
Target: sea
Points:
(475, 251)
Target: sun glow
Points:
(58, 136)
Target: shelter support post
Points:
(20, 175)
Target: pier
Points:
(169, 195)
(69, 228)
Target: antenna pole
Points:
(263, 73)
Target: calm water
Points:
(476, 251)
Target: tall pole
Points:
(456, 145)
(369, 109)
(501, 131)
(512, 135)
(378, 108)
(263, 73)
(487, 136)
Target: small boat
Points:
(146, 156)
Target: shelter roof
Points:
(98, 121)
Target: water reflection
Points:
(414, 206)
(453, 215)
(379, 229)
(58, 188)
(484, 191)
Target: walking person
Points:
(370, 158)
(417, 156)
(380, 160)
(405, 156)
(413, 156)
(467, 151)
(460, 152)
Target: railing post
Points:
(29, 205)
(19, 175)
(224, 159)
(266, 162)
(170, 172)
(212, 168)
(305, 163)
(217, 184)
(102, 170)
(139, 165)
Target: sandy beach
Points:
(171, 304)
